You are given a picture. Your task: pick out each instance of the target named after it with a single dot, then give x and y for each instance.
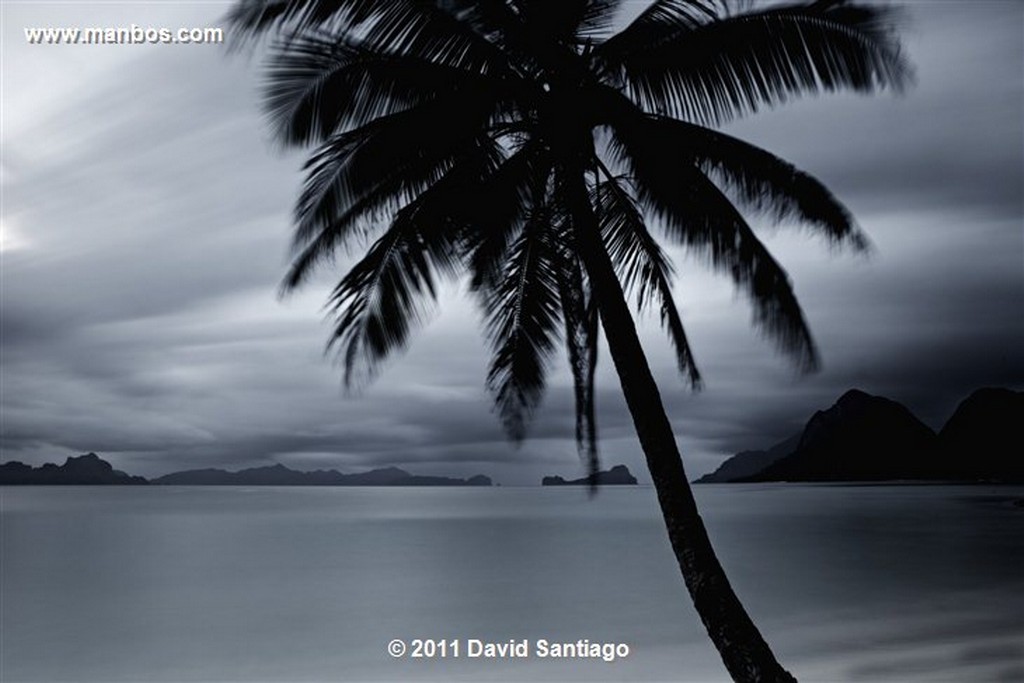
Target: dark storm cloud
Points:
(146, 223)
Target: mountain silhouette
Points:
(279, 475)
(616, 476)
(982, 439)
(860, 438)
(871, 438)
(749, 463)
(88, 469)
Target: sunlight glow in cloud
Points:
(10, 238)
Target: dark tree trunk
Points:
(745, 653)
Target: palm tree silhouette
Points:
(526, 144)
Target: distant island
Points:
(88, 469)
(871, 438)
(616, 476)
(91, 470)
(279, 475)
(861, 437)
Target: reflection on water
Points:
(168, 584)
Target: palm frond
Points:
(432, 30)
(568, 21)
(497, 207)
(597, 18)
(579, 313)
(645, 270)
(318, 85)
(386, 294)
(522, 315)
(497, 21)
(710, 72)
(441, 203)
(370, 172)
(657, 22)
(761, 180)
(696, 214)
(250, 19)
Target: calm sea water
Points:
(848, 583)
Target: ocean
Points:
(174, 584)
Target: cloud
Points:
(146, 222)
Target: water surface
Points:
(168, 584)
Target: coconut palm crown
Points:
(530, 146)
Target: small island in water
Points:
(616, 476)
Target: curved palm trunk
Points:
(745, 653)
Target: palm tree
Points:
(528, 145)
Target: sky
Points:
(146, 224)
